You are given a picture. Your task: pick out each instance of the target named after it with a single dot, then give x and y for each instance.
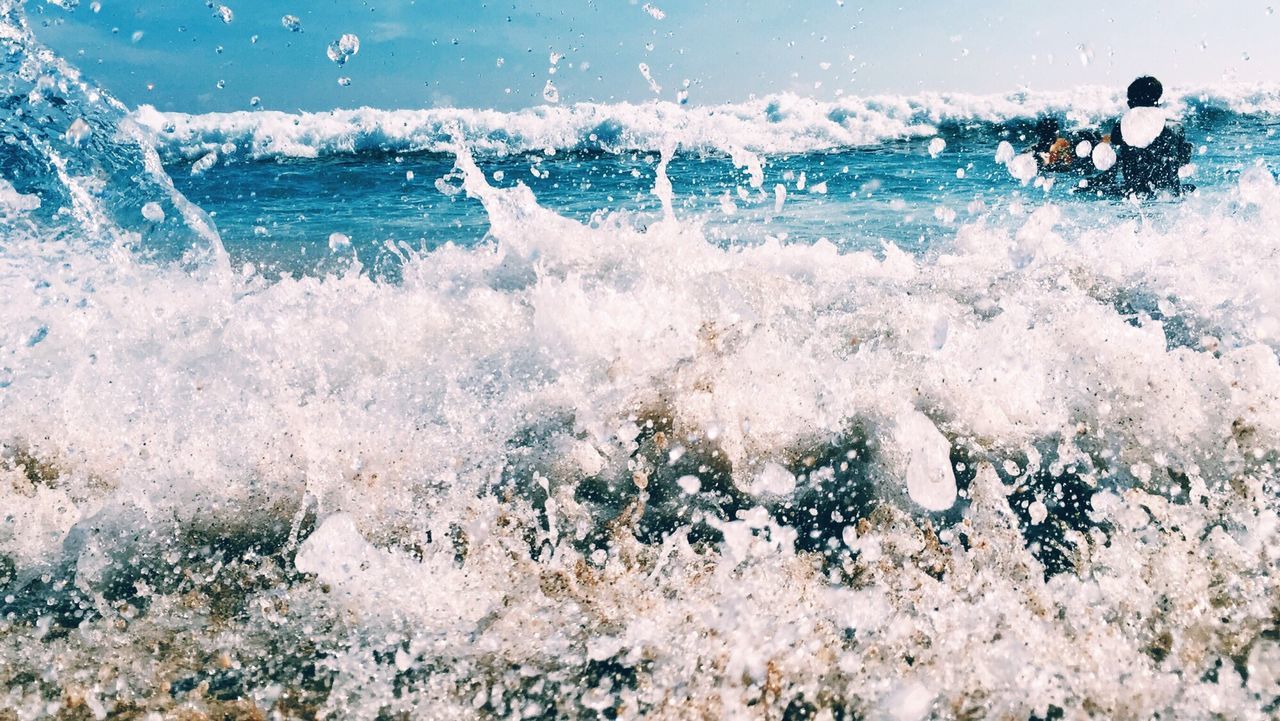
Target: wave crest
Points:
(779, 124)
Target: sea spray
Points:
(1028, 471)
(597, 351)
(87, 157)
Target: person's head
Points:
(1145, 92)
(1046, 131)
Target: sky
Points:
(182, 55)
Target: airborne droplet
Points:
(343, 49)
(153, 213)
(338, 241)
(78, 131)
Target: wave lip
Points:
(777, 124)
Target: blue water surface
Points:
(280, 213)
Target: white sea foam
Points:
(634, 471)
(445, 430)
(777, 124)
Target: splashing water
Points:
(621, 465)
(78, 158)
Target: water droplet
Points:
(153, 213)
(343, 49)
(78, 131)
(655, 12)
(204, 163)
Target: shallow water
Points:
(625, 437)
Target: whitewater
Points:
(784, 409)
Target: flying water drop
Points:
(338, 241)
(153, 213)
(343, 49)
(78, 131)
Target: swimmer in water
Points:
(1060, 152)
(1150, 149)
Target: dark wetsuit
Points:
(1153, 169)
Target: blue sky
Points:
(423, 53)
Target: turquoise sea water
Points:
(280, 211)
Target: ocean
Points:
(784, 409)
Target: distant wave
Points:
(778, 124)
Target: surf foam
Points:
(773, 125)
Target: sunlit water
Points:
(279, 210)
(486, 417)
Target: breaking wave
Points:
(586, 470)
(773, 125)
